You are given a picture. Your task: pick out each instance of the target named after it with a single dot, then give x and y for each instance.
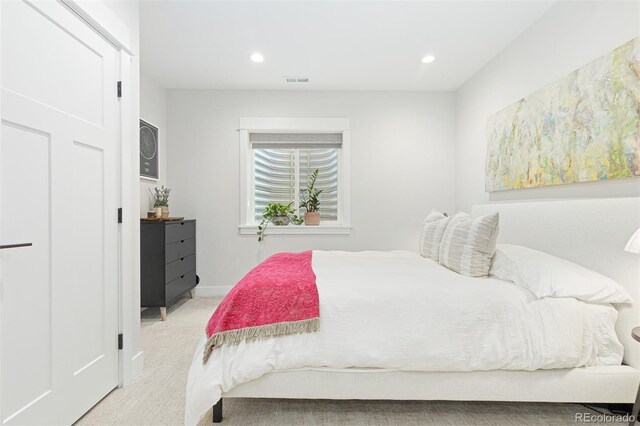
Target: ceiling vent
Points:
(296, 79)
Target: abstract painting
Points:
(584, 127)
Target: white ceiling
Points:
(339, 45)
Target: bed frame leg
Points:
(217, 412)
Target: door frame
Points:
(103, 21)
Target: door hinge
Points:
(119, 89)
(119, 214)
(120, 342)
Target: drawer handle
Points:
(181, 223)
(10, 246)
(181, 259)
(182, 277)
(181, 241)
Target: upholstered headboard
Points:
(590, 232)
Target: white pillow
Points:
(468, 244)
(549, 276)
(432, 229)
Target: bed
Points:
(587, 232)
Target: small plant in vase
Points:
(160, 198)
(279, 215)
(311, 200)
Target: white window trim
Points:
(297, 230)
(249, 125)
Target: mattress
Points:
(401, 312)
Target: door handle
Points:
(9, 246)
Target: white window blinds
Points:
(274, 178)
(326, 161)
(297, 140)
(283, 163)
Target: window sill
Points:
(297, 230)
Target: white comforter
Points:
(397, 310)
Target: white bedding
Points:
(397, 310)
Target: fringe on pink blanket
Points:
(277, 297)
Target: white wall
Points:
(568, 36)
(153, 110)
(402, 157)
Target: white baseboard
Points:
(212, 290)
(137, 364)
(130, 371)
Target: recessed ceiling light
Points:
(256, 57)
(428, 59)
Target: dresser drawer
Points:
(178, 231)
(178, 286)
(179, 267)
(179, 249)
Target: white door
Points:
(58, 191)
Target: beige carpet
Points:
(157, 396)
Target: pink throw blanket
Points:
(277, 297)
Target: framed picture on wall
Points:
(148, 151)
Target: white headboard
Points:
(590, 232)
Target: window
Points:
(278, 163)
(283, 163)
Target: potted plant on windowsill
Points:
(279, 215)
(311, 200)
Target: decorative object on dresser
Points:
(162, 219)
(160, 198)
(167, 261)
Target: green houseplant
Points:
(279, 215)
(160, 198)
(311, 200)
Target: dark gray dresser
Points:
(167, 262)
